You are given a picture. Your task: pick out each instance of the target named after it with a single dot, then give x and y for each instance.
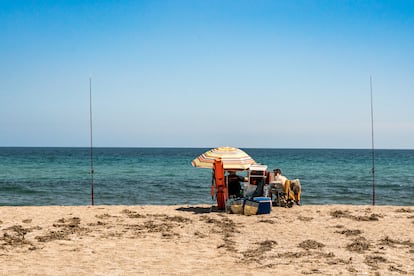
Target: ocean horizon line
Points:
(198, 147)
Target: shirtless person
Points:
(292, 188)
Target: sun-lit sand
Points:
(195, 240)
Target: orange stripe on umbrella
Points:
(233, 159)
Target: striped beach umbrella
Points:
(232, 158)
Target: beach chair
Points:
(286, 196)
(280, 196)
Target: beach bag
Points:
(236, 206)
(250, 207)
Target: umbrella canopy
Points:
(233, 159)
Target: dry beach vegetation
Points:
(198, 240)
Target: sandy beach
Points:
(198, 240)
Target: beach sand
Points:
(197, 240)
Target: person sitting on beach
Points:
(291, 188)
(233, 184)
(279, 178)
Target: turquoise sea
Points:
(164, 176)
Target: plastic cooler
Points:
(265, 205)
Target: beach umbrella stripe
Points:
(233, 158)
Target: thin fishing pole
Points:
(372, 143)
(91, 150)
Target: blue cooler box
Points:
(265, 205)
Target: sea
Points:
(164, 176)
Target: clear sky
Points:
(278, 74)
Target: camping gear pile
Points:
(260, 191)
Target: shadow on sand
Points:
(199, 210)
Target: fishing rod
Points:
(372, 143)
(90, 124)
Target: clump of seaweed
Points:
(347, 214)
(374, 260)
(348, 232)
(256, 254)
(15, 236)
(359, 245)
(132, 214)
(404, 210)
(64, 228)
(311, 244)
(340, 214)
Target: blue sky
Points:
(278, 74)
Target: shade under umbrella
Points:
(233, 159)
